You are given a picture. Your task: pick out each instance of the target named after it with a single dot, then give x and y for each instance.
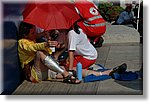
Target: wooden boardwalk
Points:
(110, 56)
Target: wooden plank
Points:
(45, 88)
(90, 88)
(59, 88)
(19, 89)
(83, 89)
(37, 89)
(24, 88)
(28, 88)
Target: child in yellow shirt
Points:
(34, 57)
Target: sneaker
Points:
(120, 69)
(98, 42)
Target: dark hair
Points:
(76, 28)
(128, 7)
(24, 29)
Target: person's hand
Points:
(60, 46)
(52, 43)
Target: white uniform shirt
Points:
(81, 45)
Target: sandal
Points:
(71, 80)
(120, 69)
(73, 72)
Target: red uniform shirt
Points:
(93, 23)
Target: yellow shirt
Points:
(27, 50)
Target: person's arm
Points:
(71, 59)
(30, 46)
(72, 44)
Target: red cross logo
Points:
(93, 11)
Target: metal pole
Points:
(138, 15)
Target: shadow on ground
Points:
(136, 84)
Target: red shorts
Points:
(86, 63)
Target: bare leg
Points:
(96, 73)
(107, 72)
(41, 55)
(86, 72)
(40, 68)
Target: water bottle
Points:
(79, 71)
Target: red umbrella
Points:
(52, 15)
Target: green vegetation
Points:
(109, 11)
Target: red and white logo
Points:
(93, 11)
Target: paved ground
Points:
(120, 34)
(110, 55)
